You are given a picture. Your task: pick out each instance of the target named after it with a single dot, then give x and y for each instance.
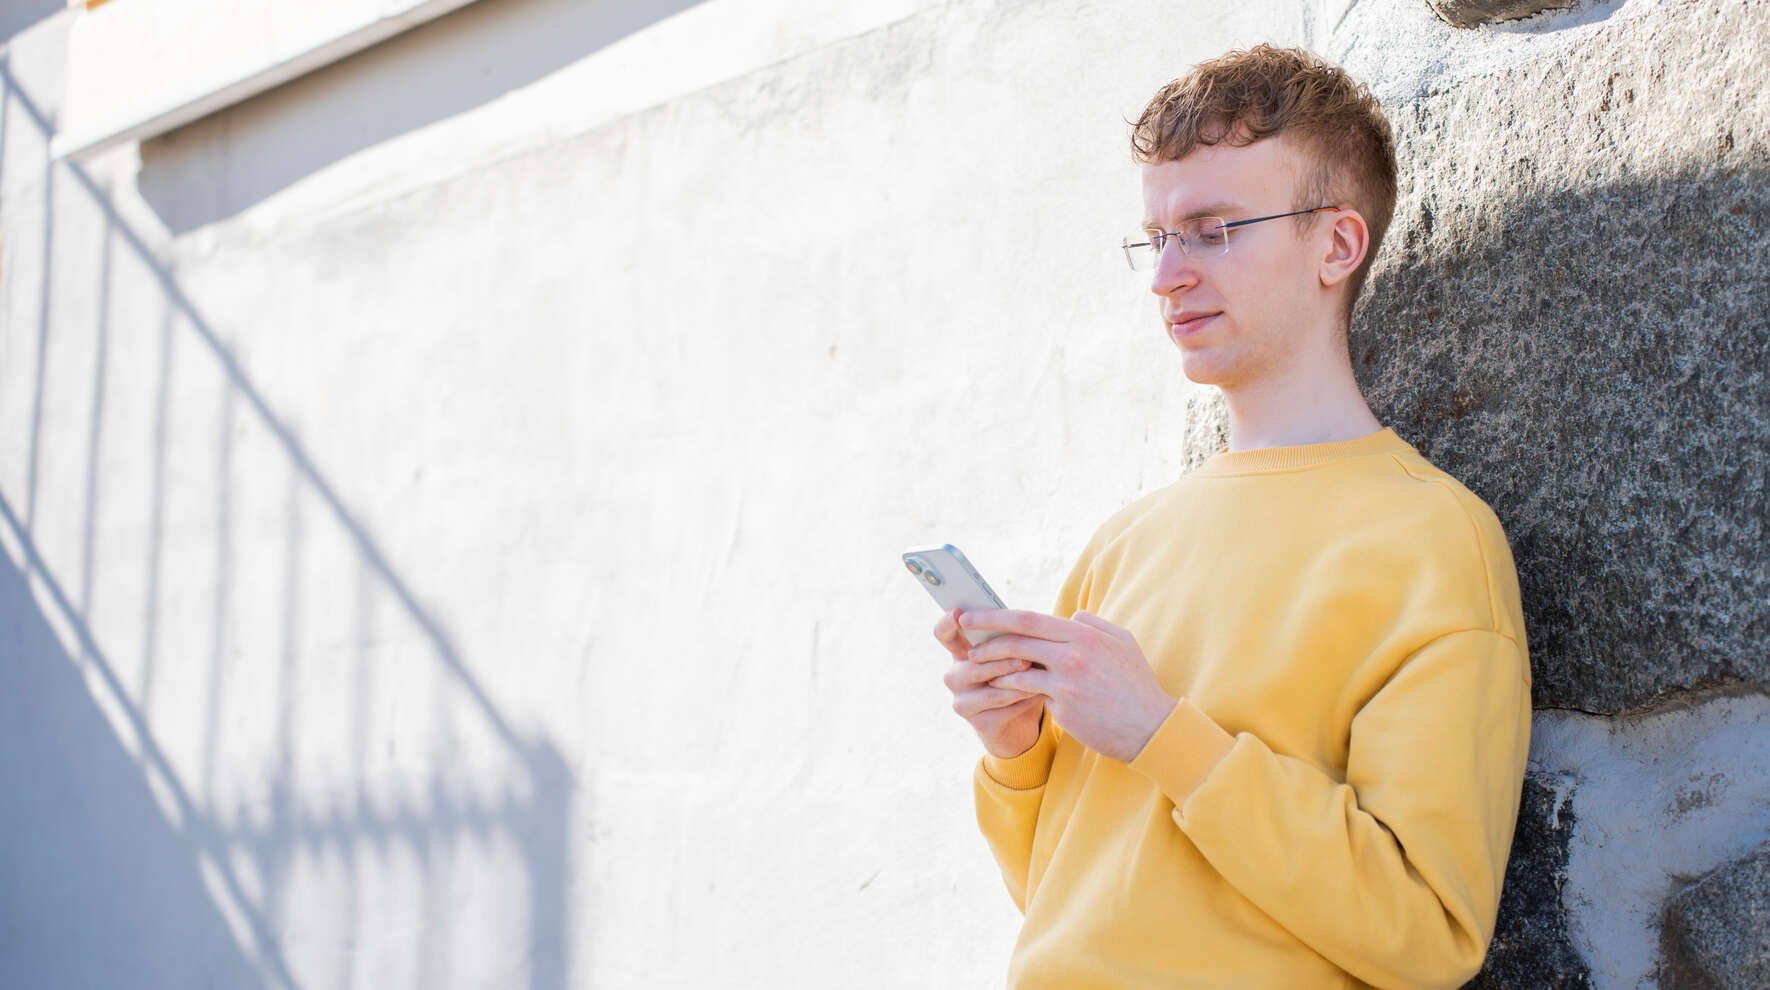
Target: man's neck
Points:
(1303, 408)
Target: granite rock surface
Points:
(1717, 931)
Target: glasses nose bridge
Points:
(1178, 237)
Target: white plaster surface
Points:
(457, 495)
(1659, 800)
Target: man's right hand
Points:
(1005, 719)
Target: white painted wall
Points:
(451, 502)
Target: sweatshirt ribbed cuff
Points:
(1031, 768)
(1183, 751)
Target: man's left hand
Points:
(1099, 686)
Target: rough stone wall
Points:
(1572, 313)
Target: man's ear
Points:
(1348, 240)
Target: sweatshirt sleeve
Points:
(1008, 792)
(1393, 874)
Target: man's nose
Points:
(1174, 269)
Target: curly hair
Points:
(1243, 96)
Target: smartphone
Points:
(950, 579)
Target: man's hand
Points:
(1007, 721)
(1096, 681)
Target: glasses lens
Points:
(1200, 237)
(1140, 251)
(1206, 236)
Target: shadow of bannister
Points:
(63, 705)
(81, 825)
(531, 813)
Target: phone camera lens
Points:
(913, 564)
(931, 577)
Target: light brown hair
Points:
(1337, 125)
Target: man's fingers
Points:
(1026, 647)
(971, 703)
(1019, 621)
(946, 631)
(1090, 619)
(965, 675)
(1028, 681)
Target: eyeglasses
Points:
(1200, 237)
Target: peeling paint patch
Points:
(1661, 797)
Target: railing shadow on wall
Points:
(104, 829)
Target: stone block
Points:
(1470, 13)
(1717, 931)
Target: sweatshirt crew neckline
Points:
(1262, 460)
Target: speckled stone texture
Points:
(1530, 946)
(1571, 314)
(1717, 931)
(1469, 13)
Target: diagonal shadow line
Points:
(4, 104)
(95, 429)
(34, 457)
(203, 835)
(432, 630)
(150, 611)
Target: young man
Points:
(1274, 733)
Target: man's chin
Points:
(1200, 369)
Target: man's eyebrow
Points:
(1217, 209)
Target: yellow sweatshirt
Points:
(1331, 803)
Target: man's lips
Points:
(1182, 329)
